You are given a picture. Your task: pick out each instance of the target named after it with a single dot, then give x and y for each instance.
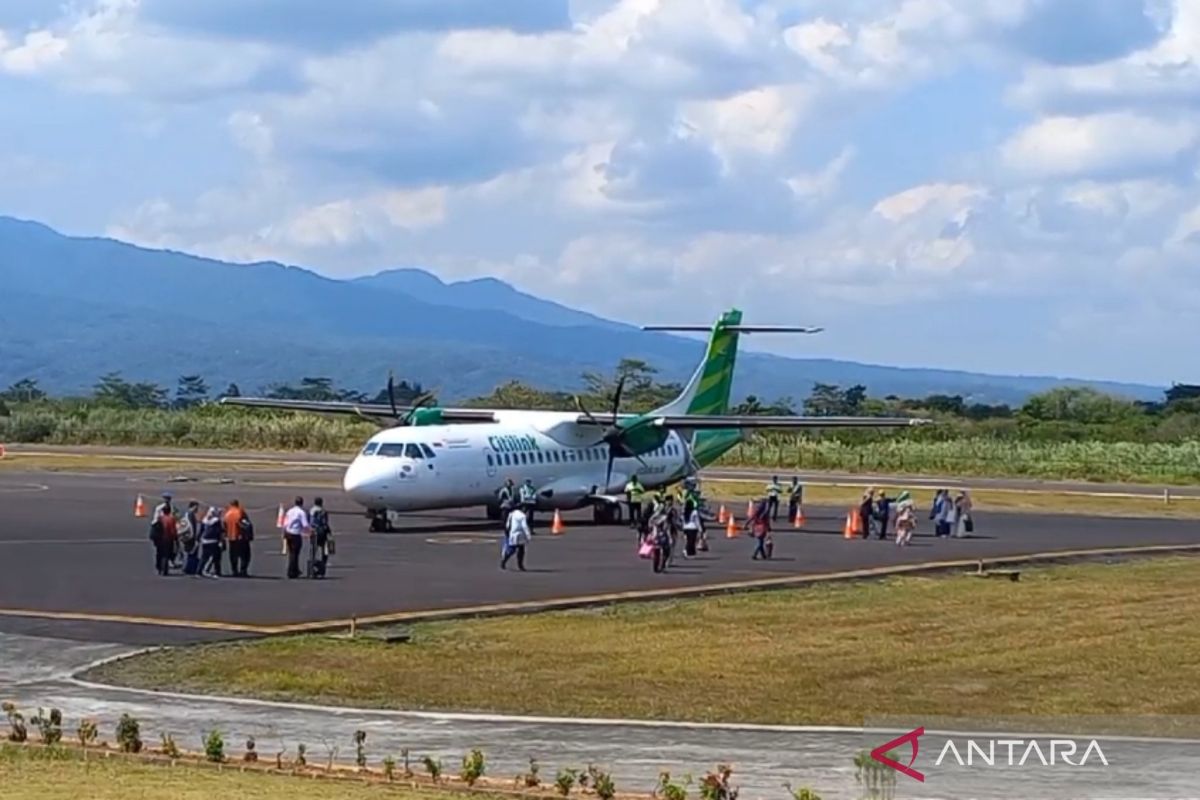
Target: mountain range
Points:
(72, 309)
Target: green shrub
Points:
(214, 747)
(473, 766)
(565, 780)
(129, 736)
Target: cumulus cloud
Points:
(1100, 144)
(708, 151)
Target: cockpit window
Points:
(390, 450)
(427, 450)
(413, 451)
(370, 449)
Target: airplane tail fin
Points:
(709, 391)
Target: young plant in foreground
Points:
(360, 750)
(803, 793)
(389, 769)
(434, 768)
(86, 733)
(564, 781)
(532, 778)
(169, 748)
(408, 773)
(602, 784)
(214, 747)
(716, 786)
(473, 766)
(129, 735)
(49, 725)
(670, 790)
(301, 755)
(17, 732)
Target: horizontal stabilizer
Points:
(733, 328)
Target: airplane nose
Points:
(362, 483)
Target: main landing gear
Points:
(607, 513)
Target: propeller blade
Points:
(616, 408)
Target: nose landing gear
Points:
(381, 521)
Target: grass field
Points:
(985, 500)
(35, 775)
(1175, 459)
(1056, 643)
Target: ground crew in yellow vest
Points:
(774, 489)
(634, 495)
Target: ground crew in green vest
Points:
(634, 494)
(774, 489)
(528, 499)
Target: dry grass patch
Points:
(1091, 639)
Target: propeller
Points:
(614, 434)
(420, 402)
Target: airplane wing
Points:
(758, 422)
(374, 410)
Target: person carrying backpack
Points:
(322, 540)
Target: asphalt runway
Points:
(78, 564)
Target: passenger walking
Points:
(164, 533)
(189, 538)
(506, 496)
(866, 512)
(322, 535)
(883, 513)
(774, 489)
(239, 532)
(295, 527)
(963, 507)
(517, 537)
(691, 529)
(759, 524)
(211, 541)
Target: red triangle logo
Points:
(880, 754)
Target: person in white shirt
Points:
(295, 528)
(517, 530)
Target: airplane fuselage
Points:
(426, 467)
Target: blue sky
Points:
(995, 185)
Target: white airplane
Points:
(441, 458)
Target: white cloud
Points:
(1097, 144)
(35, 52)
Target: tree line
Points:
(1064, 413)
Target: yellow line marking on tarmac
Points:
(561, 603)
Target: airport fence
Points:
(967, 456)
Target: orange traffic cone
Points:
(139, 507)
(848, 531)
(749, 509)
(556, 528)
(722, 515)
(279, 519)
(731, 528)
(799, 521)
(857, 521)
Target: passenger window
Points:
(557, 460)
(490, 462)
(412, 451)
(507, 463)
(428, 451)
(540, 458)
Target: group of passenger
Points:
(952, 515)
(196, 542)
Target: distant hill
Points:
(75, 308)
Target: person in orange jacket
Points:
(237, 534)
